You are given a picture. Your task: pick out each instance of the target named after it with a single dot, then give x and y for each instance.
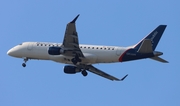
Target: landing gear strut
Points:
(75, 60)
(25, 60)
(84, 73)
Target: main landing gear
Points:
(84, 73)
(75, 60)
(25, 60)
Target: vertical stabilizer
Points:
(154, 37)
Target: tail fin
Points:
(154, 37)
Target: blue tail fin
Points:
(154, 36)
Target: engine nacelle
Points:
(55, 50)
(71, 69)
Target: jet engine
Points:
(71, 69)
(55, 50)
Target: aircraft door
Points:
(118, 51)
(30, 46)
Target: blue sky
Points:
(119, 23)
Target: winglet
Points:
(123, 78)
(74, 20)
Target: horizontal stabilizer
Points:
(159, 59)
(146, 46)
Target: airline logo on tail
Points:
(153, 36)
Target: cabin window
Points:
(88, 47)
(84, 47)
(108, 48)
(41, 44)
(97, 48)
(92, 47)
(101, 48)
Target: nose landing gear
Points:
(25, 60)
(24, 64)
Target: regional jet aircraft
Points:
(80, 57)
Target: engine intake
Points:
(54, 50)
(71, 69)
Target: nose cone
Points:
(10, 52)
(14, 52)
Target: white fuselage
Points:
(81, 56)
(93, 53)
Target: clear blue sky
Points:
(119, 23)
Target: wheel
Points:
(79, 60)
(84, 73)
(74, 61)
(23, 64)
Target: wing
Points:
(70, 42)
(103, 74)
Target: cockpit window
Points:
(20, 44)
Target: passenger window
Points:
(97, 48)
(92, 47)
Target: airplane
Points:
(81, 57)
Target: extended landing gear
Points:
(24, 64)
(75, 60)
(84, 73)
(25, 60)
